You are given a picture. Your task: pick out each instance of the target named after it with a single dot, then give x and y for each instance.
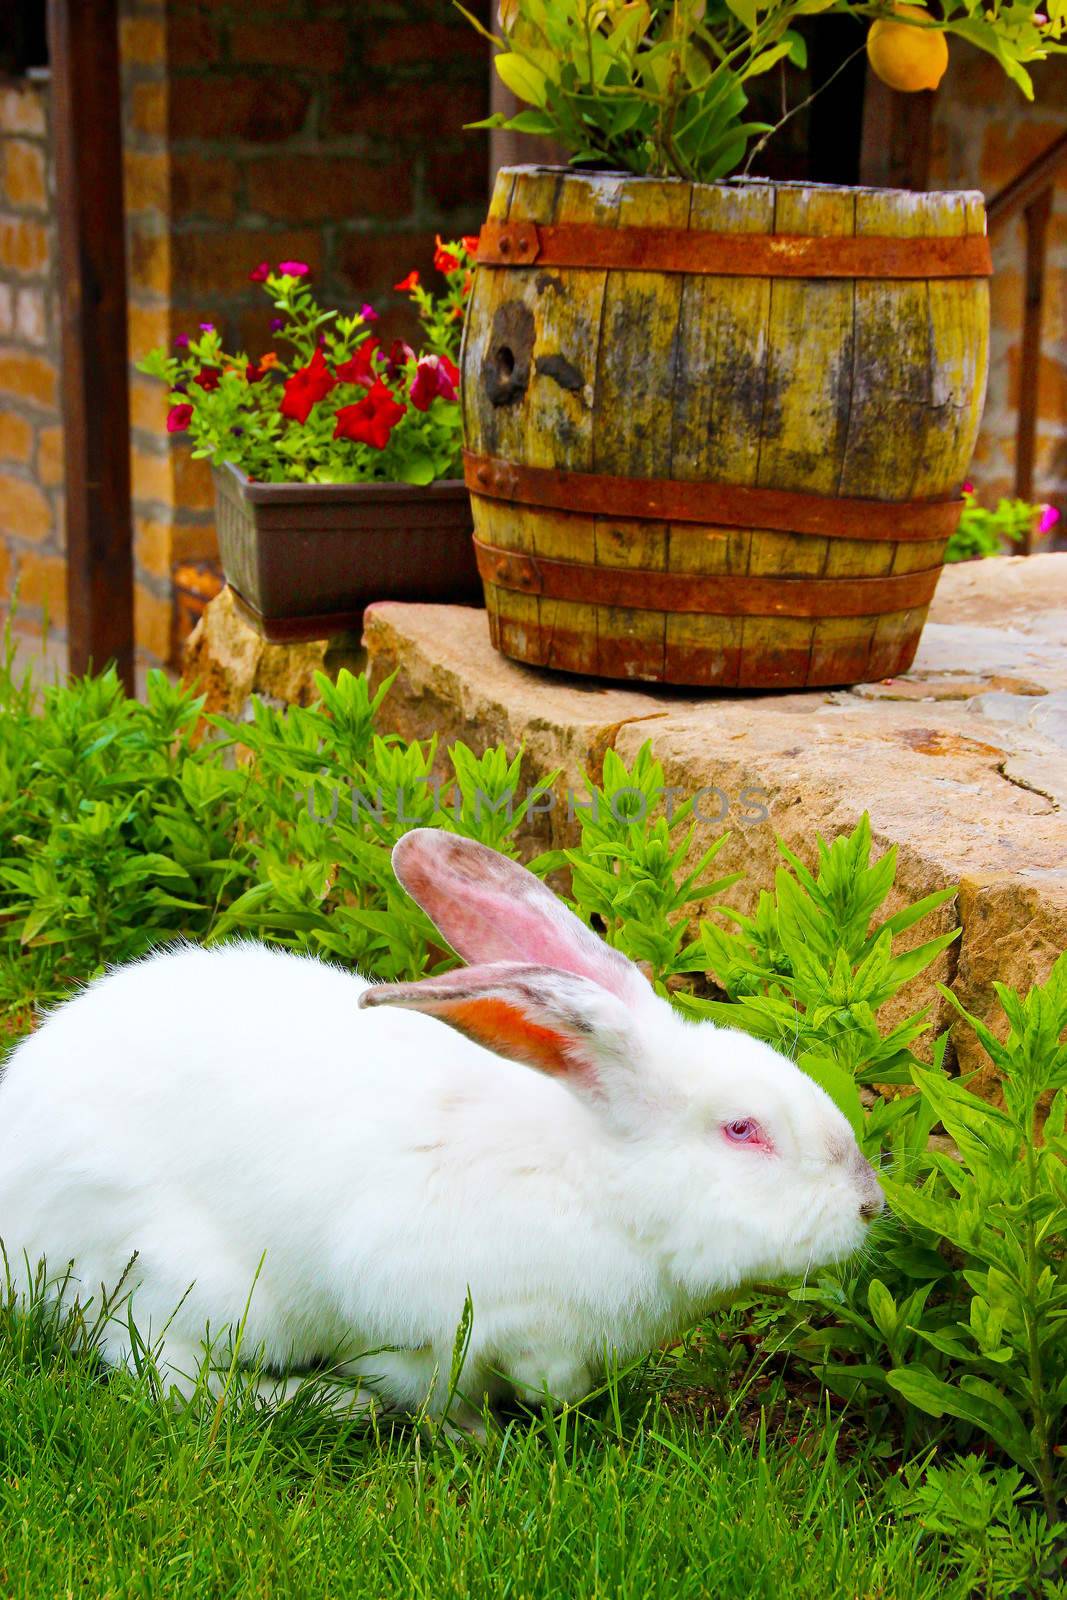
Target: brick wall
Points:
(985, 133)
(31, 442)
(310, 129)
(301, 129)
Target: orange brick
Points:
(319, 45)
(22, 109)
(305, 188)
(24, 510)
(150, 262)
(7, 309)
(148, 109)
(25, 179)
(153, 622)
(42, 581)
(23, 245)
(146, 181)
(194, 541)
(194, 488)
(50, 456)
(203, 188)
(142, 41)
(16, 437)
(151, 475)
(1051, 384)
(147, 327)
(148, 404)
(28, 377)
(152, 542)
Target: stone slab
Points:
(962, 763)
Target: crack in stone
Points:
(1032, 788)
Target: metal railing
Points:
(1032, 194)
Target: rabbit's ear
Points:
(561, 1024)
(491, 909)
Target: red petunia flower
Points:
(399, 356)
(407, 284)
(179, 418)
(307, 386)
(261, 273)
(470, 242)
(255, 373)
(359, 367)
(435, 377)
(443, 259)
(207, 378)
(371, 420)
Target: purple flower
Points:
(368, 313)
(1049, 518)
(207, 327)
(182, 342)
(276, 323)
(237, 432)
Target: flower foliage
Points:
(341, 408)
(661, 86)
(988, 533)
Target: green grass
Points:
(107, 1490)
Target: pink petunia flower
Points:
(1049, 518)
(294, 269)
(435, 377)
(261, 273)
(368, 313)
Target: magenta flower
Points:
(435, 376)
(294, 269)
(178, 418)
(968, 488)
(207, 327)
(1049, 518)
(276, 323)
(260, 274)
(368, 313)
(182, 342)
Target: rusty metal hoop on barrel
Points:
(716, 432)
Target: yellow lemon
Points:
(905, 57)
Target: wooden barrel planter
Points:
(717, 432)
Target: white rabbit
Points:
(593, 1167)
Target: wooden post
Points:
(87, 115)
(897, 128)
(1035, 219)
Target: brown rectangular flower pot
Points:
(304, 560)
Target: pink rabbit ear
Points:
(560, 1024)
(491, 909)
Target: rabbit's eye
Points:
(746, 1130)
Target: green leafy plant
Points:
(986, 533)
(661, 86)
(811, 969)
(341, 409)
(631, 875)
(1000, 1207)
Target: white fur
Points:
(201, 1108)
